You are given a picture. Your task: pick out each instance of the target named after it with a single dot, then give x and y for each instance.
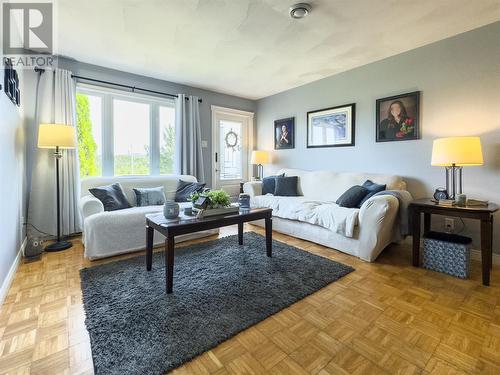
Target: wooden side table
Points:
(483, 214)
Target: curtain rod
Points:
(133, 88)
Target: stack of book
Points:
(476, 203)
(446, 202)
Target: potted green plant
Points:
(213, 202)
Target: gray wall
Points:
(209, 97)
(12, 160)
(459, 80)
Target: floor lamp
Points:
(454, 153)
(58, 137)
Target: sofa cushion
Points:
(169, 182)
(185, 189)
(286, 186)
(269, 184)
(111, 196)
(352, 196)
(329, 185)
(372, 188)
(150, 196)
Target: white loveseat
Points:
(108, 233)
(315, 217)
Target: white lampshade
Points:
(56, 135)
(458, 151)
(259, 157)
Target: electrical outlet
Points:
(449, 224)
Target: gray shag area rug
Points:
(220, 289)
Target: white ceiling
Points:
(252, 48)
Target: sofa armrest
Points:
(376, 224)
(253, 188)
(90, 205)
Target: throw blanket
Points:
(404, 198)
(328, 215)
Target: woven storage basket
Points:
(447, 253)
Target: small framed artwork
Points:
(284, 133)
(11, 82)
(331, 127)
(398, 118)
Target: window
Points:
(230, 150)
(124, 134)
(131, 137)
(167, 139)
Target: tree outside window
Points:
(90, 163)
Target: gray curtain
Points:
(188, 154)
(56, 103)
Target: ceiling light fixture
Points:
(300, 10)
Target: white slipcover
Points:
(116, 232)
(325, 214)
(361, 232)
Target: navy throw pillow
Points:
(286, 186)
(185, 189)
(112, 197)
(150, 196)
(352, 196)
(373, 189)
(269, 184)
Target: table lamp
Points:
(453, 153)
(259, 158)
(58, 137)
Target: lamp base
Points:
(453, 180)
(58, 246)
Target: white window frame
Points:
(107, 96)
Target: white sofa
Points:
(108, 233)
(315, 217)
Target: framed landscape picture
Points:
(398, 118)
(284, 133)
(331, 127)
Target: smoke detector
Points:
(300, 10)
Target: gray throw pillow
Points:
(269, 184)
(185, 189)
(372, 188)
(352, 196)
(111, 196)
(150, 196)
(286, 186)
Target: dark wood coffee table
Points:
(171, 229)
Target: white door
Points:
(231, 140)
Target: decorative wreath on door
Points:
(231, 139)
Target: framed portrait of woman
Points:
(284, 133)
(398, 118)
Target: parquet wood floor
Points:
(386, 317)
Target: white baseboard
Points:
(12, 271)
(474, 253)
